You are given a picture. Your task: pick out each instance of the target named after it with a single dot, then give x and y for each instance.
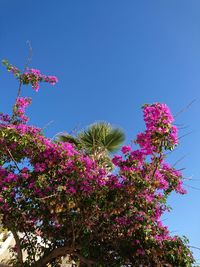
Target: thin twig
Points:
(184, 135)
(187, 178)
(11, 156)
(194, 247)
(75, 129)
(47, 124)
(191, 179)
(42, 198)
(29, 58)
(183, 127)
(180, 170)
(185, 108)
(60, 133)
(19, 89)
(192, 187)
(179, 160)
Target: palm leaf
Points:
(102, 136)
(68, 138)
(114, 139)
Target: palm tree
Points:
(99, 140)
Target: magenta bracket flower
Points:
(30, 76)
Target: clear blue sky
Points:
(111, 57)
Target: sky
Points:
(111, 57)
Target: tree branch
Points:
(55, 253)
(59, 252)
(11, 156)
(18, 246)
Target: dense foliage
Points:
(54, 191)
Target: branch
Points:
(185, 135)
(157, 164)
(185, 108)
(56, 253)
(31, 245)
(42, 198)
(29, 58)
(194, 247)
(19, 88)
(11, 156)
(18, 246)
(46, 125)
(192, 187)
(59, 252)
(179, 160)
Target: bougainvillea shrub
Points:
(52, 192)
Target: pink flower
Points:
(34, 77)
(126, 149)
(39, 167)
(116, 160)
(19, 108)
(180, 189)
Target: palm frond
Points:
(65, 137)
(114, 140)
(101, 136)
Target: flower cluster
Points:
(30, 76)
(34, 77)
(19, 109)
(14, 70)
(160, 133)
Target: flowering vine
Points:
(78, 208)
(30, 76)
